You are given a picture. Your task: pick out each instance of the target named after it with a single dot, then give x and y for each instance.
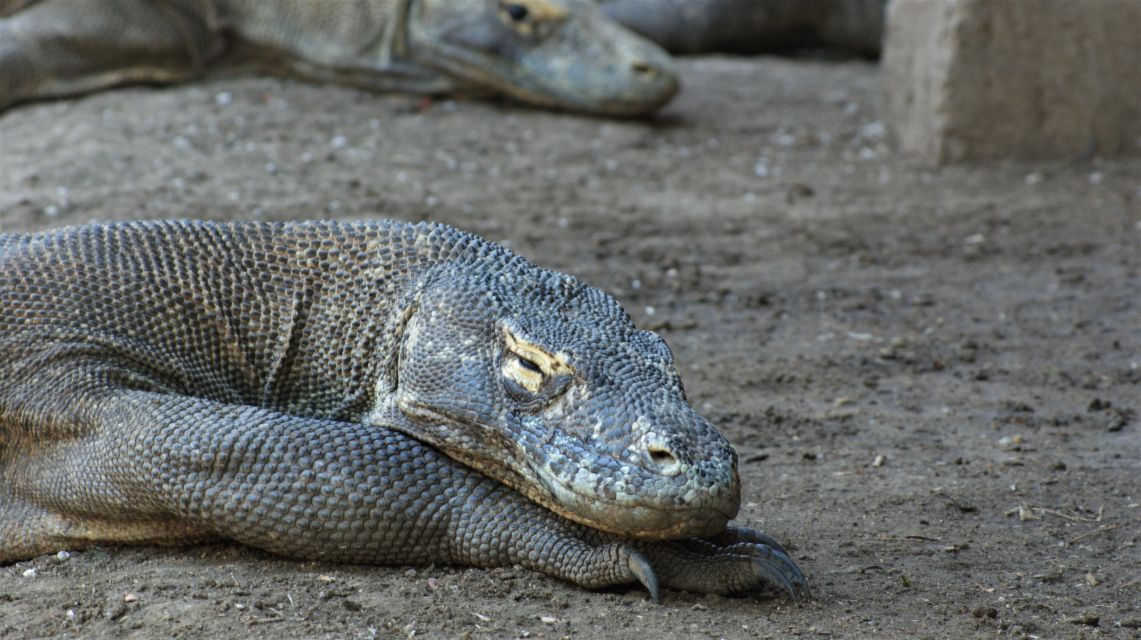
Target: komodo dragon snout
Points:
(579, 410)
(557, 53)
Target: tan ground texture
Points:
(932, 377)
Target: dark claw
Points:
(791, 577)
(641, 569)
(774, 574)
(733, 535)
(773, 562)
(775, 566)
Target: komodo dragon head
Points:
(545, 384)
(556, 53)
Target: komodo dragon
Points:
(552, 53)
(361, 392)
(754, 26)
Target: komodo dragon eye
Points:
(532, 19)
(529, 364)
(532, 375)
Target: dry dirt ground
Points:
(932, 377)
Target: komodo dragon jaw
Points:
(562, 54)
(577, 409)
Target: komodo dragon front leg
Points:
(173, 468)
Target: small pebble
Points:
(116, 611)
(1010, 441)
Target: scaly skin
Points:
(562, 54)
(371, 392)
(754, 26)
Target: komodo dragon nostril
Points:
(666, 461)
(642, 67)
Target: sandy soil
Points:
(932, 377)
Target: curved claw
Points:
(779, 569)
(642, 570)
(774, 574)
(770, 562)
(733, 535)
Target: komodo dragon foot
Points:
(715, 566)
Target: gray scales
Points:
(563, 54)
(380, 393)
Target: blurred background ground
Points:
(932, 377)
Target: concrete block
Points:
(1013, 79)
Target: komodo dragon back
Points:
(554, 53)
(272, 382)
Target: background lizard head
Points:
(545, 384)
(556, 53)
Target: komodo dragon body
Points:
(553, 53)
(754, 26)
(362, 392)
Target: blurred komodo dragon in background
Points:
(360, 392)
(562, 54)
(754, 26)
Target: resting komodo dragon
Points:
(361, 392)
(553, 53)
